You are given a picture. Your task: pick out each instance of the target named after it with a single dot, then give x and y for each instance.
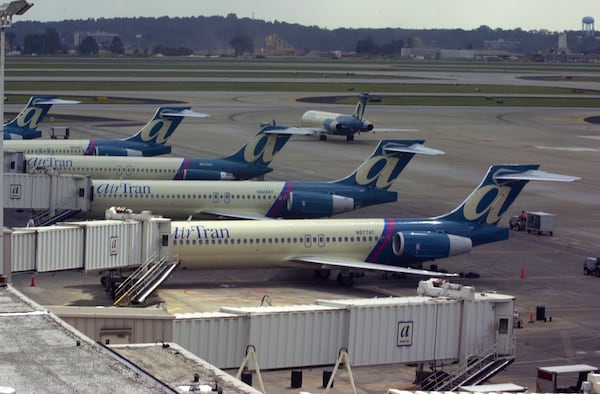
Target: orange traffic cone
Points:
(522, 272)
(32, 280)
(531, 319)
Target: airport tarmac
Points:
(538, 270)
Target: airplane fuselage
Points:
(334, 123)
(243, 199)
(156, 168)
(303, 243)
(86, 147)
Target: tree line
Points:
(182, 36)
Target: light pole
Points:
(7, 11)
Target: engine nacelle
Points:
(313, 205)
(332, 125)
(424, 245)
(115, 151)
(207, 175)
(367, 126)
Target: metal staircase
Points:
(143, 281)
(476, 370)
(49, 217)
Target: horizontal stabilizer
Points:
(56, 101)
(535, 175)
(184, 112)
(413, 148)
(357, 264)
(290, 130)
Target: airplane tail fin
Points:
(163, 124)
(498, 190)
(24, 124)
(361, 105)
(387, 162)
(262, 148)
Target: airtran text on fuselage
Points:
(199, 232)
(123, 188)
(49, 162)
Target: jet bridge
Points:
(41, 199)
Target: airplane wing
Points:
(381, 130)
(231, 214)
(291, 130)
(184, 112)
(535, 175)
(324, 262)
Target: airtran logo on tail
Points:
(261, 145)
(158, 130)
(487, 202)
(378, 169)
(30, 117)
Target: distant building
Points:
(562, 43)
(275, 45)
(501, 45)
(103, 39)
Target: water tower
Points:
(587, 25)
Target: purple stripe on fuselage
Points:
(383, 242)
(90, 148)
(184, 166)
(280, 200)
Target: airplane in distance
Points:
(355, 245)
(148, 141)
(367, 185)
(340, 124)
(24, 125)
(251, 161)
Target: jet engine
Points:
(312, 205)
(207, 175)
(367, 126)
(425, 245)
(332, 125)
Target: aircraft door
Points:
(321, 240)
(504, 334)
(307, 240)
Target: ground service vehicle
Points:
(591, 266)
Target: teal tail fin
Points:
(497, 192)
(386, 162)
(163, 124)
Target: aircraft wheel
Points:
(322, 274)
(350, 138)
(345, 280)
(322, 137)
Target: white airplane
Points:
(340, 124)
(250, 161)
(367, 185)
(349, 245)
(150, 140)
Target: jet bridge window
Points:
(503, 326)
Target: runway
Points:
(537, 270)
